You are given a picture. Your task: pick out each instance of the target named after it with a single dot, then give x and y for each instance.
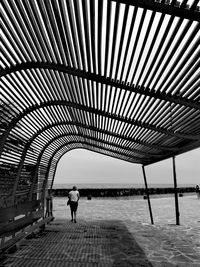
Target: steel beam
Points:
(82, 143)
(96, 129)
(94, 111)
(28, 144)
(58, 137)
(104, 80)
(186, 148)
(109, 115)
(176, 193)
(147, 193)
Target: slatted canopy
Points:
(120, 78)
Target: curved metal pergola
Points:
(120, 78)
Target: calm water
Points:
(80, 186)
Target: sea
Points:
(116, 185)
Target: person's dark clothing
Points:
(73, 205)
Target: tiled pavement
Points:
(116, 232)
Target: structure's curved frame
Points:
(120, 78)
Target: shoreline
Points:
(123, 192)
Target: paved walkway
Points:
(116, 232)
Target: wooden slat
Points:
(165, 8)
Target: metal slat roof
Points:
(121, 78)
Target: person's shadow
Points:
(122, 248)
(102, 243)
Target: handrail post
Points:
(175, 192)
(147, 193)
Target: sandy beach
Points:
(117, 232)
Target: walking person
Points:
(49, 205)
(73, 202)
(197, 189)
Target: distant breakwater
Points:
(120, 192)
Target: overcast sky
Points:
(81, 166)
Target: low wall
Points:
(118, 192)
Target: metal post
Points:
(176, 193)
(147, 192)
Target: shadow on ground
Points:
(96, 243)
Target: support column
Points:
(176, 192)
(54, 173)
(147, 193)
